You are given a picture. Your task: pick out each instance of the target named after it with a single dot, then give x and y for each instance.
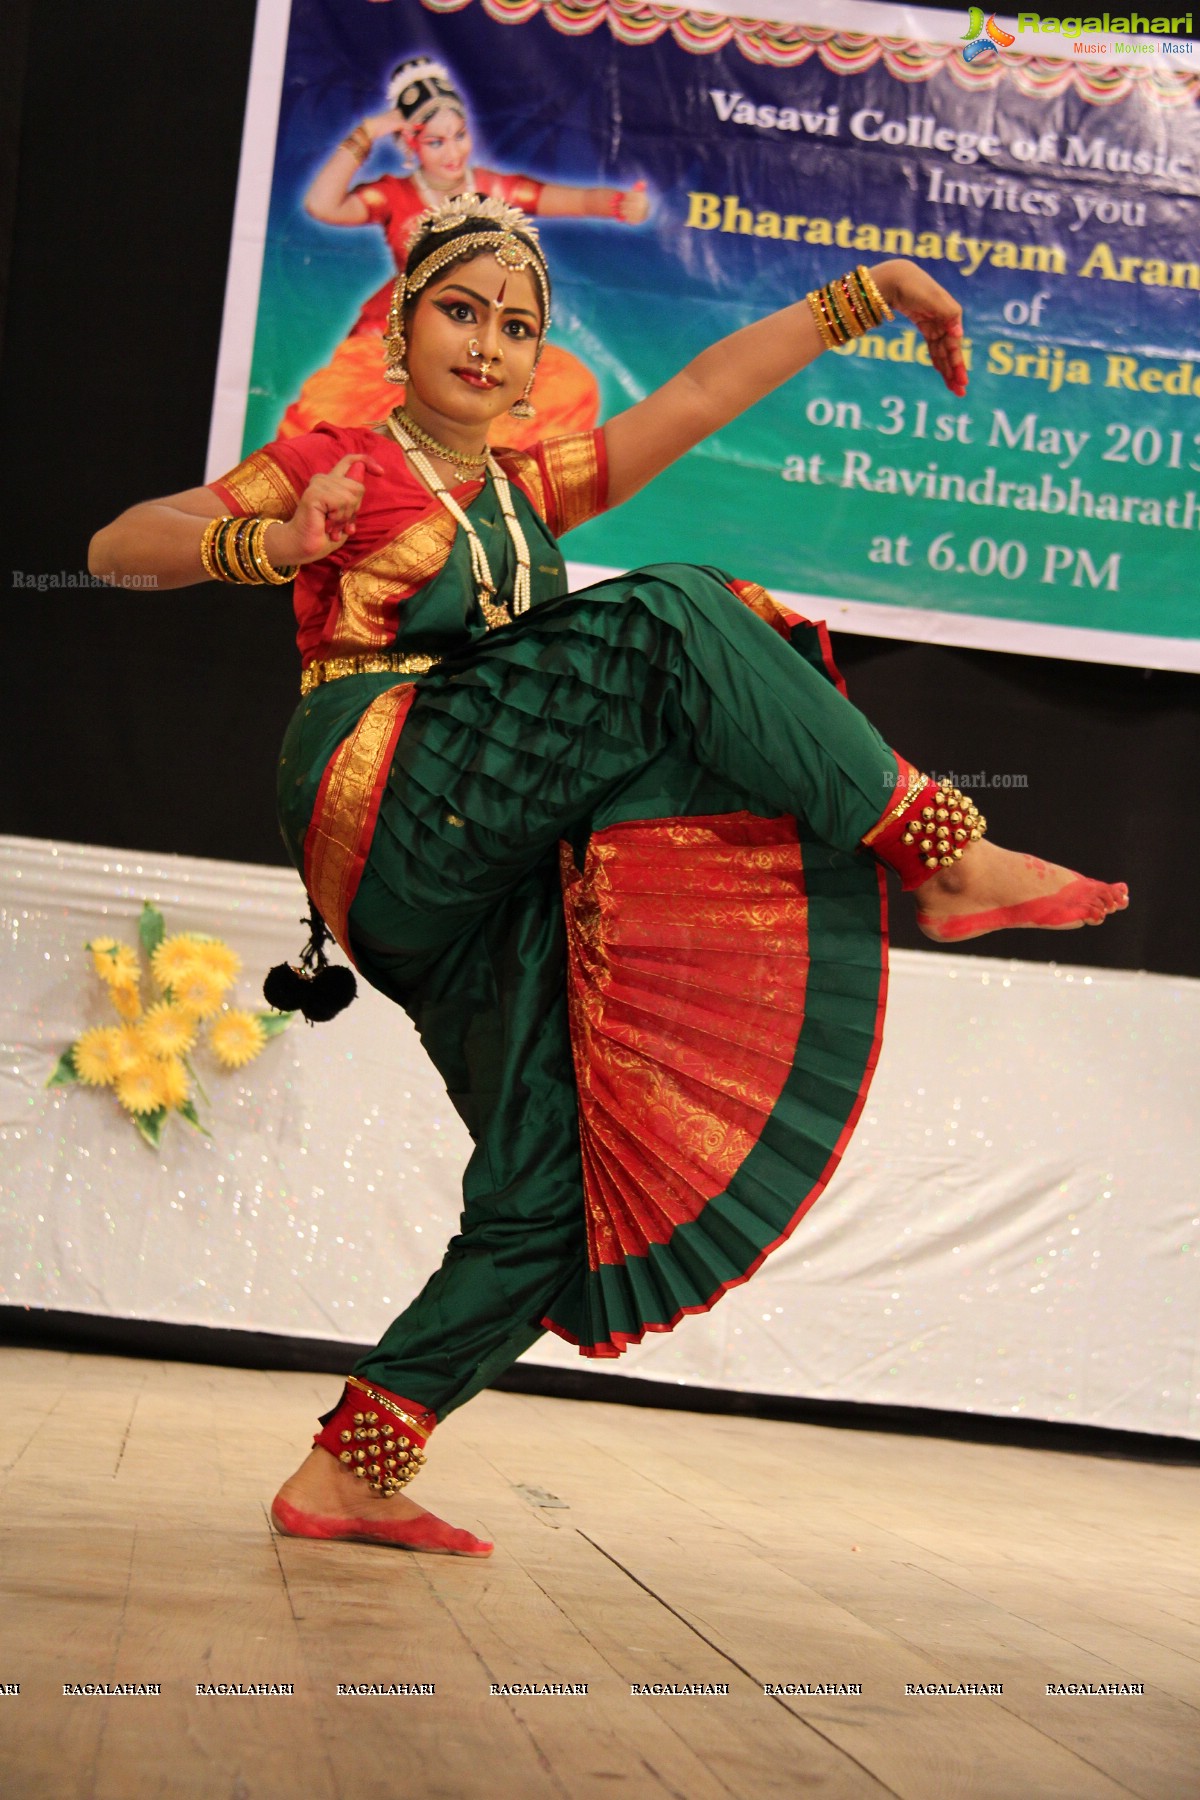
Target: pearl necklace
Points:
(470, 463)
(494, 612)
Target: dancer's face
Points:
(476, 303)
(442, 145)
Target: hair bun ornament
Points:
(315, 987)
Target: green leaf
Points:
(65, 1072)
(152, 928)
(188, 1111)
(190, 1066)
(274, 1022)
(150, 1125)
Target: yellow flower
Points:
(127, 1040)
(115, 963)
(99, 1056)
(168, 1029)
(219, 960)
(174, 958)
(236, 1038)
(198, 992)
(126, 999)
(173, 1081)
(140, 1087)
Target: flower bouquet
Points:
(146, 1057)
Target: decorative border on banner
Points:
(784, 46)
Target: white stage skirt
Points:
(1015, 1229)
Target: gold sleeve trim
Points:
(572, 466)
(259, 485)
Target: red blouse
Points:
(351, 602)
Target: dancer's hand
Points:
(325, 517)
(629, 206)
(384, 124)
(936, 314)
(633, 206)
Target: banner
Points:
(693, 171)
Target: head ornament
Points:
(419, 87)
(461, 228)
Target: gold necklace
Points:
(460, 459)
(494, 612)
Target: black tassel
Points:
(317, 988)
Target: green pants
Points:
(655, 696)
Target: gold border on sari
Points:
(765, 605)
(526, 471)
(339, 833)
(370, 594)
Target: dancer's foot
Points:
(323, 1500)
(991, 889)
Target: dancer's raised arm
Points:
(738, 370)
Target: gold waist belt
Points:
(413, 662)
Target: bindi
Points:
(498, 302)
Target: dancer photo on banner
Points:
(691, 170)
(427, 119)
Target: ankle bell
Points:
(378, 1436)
(927, 831)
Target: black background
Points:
(151, 722)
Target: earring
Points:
(396, 371)
(524, 407)
(393, 337)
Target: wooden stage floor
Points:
(635, 1548)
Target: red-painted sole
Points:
(428, 1534)
(1080, 902)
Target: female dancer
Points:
(428, 119)
(619, 854)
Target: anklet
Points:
(368, 1442)
(928, 830)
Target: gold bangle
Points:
(216, 539)
(276, 577)
(235, 545)
(829, 295)
(228, 567)
(872, 311)
(206, 549)
(857, 308)
(848, 308)
(358, 143)
(232, 550)
(876, 298)
(822, 328)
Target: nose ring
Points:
(485, 362)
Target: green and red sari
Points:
(609, 859)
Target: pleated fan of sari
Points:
(713, 1101)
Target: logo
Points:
(984, 36)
